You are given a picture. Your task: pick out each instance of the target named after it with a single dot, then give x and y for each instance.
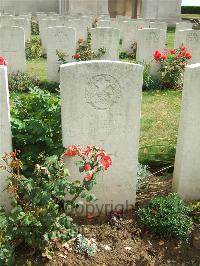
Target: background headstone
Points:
(187, 168)
(102, 107)
(64, 40)
(191, 40)
(107, 38)
(12, 48)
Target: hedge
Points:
(190, 9)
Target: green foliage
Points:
(33, 48)
(129, 55)
(167, 216)
(34, 27)
(22, 82)
(172, 66)
(36, 125)
(37, 217)
(195, 211)
(6, 251)
(86, 246)
(190, 9)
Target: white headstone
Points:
(64, 40)
(159, 25)
(81, 27)
(102, 107)
(43, 26)
(107, 38)
(25, 24)
(103, 23)
(191, 40)
(184, 26)
(128, 34)
(187, 168)
(150, 40)
(5, 132)
(12, 48)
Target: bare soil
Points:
(129, 245)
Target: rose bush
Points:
(42, 202)
(172, 64)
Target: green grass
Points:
(159, 126)
(170, 37)
(191, 16)
(38, 68)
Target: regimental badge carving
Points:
(192, 37)
(152, 36)
(60, 36)
(103, 92)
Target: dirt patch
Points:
(129, 245)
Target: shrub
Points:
(34, 27)
(83, 52)
(167, 216)
(22, 82)
(195, 211)
(171, 67)
(41, 211)
(33, 48)
(6, 251)
(129, 55)
(36, 125)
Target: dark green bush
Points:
(36, 125)
(167, 216)
(22, 82)
(6, 251)
(33, 48)
(190, 9)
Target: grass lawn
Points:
(191, 16)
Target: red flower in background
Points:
(88, 177)
(157, 55)
(77, 56)
(3, 61)
(188, 55)
(87, 167)
(106, 162)
(172, 51)
(164, 57)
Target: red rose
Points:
(106, 162)
(157, 55)
(183, 53)
(188, 55)
(164, 57)
(3, 62)
(89, 216)
(172, 51)
(183, 48)
(88, 177)
(87, 167)
(73, 150)
(77, 56)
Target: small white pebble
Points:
(127, 248)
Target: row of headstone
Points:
(18, 21)
(63, 39)
(103, 107)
